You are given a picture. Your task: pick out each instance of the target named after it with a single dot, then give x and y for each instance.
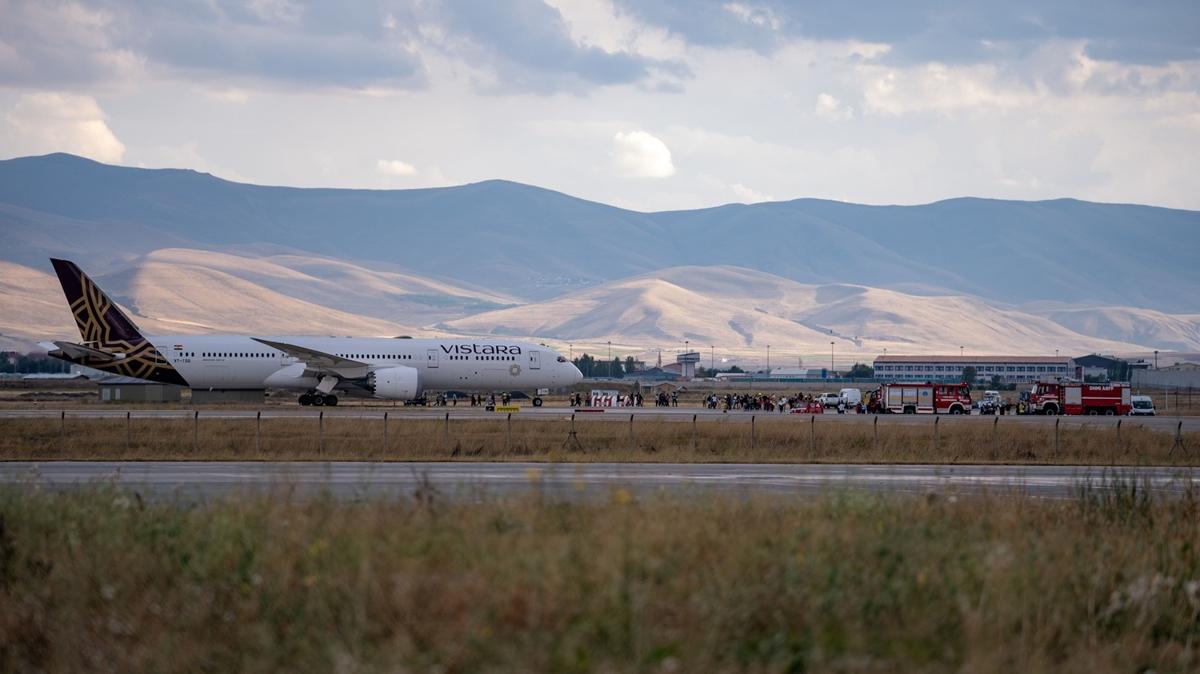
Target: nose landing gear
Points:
(318, 399)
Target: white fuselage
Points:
(239, 362)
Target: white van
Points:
(850, 396)
(1142, 405)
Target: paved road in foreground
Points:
(472, 480)
(680, 414)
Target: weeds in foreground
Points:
(98, 578)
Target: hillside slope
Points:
(534, 243)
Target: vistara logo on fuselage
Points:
(482, 349)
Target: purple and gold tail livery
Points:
(111, 342)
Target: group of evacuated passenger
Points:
(800, 402)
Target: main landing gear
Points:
(318, 399)
(537, 402)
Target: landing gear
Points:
(537, 402)
(317, 399)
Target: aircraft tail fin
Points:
(111, 342)
(99, 319)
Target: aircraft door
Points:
(431, 358)
(535, 360)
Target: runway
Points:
(678, 414)
(354, 480)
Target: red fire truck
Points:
(928, 398)
(1073, 397)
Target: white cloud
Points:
(641, 155)
(829, 107)
(46, 122)
(395, 167)
(756, 16)
(747, 195)
(235, 95)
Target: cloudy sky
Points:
(650, 105)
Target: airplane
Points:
(319, 367)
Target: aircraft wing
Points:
(313, 359)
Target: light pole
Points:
(609, 368)
(1156, 359)
(712, 358)
(831, 359)
(768, 360)
(960, 352)
(571, 350)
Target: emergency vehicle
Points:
(928, 398)
(1073, 397)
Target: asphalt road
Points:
(681, 414)
(353, 480)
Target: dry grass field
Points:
(770, 438)
(98, 579)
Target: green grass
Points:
(102, 579)
(770, 439)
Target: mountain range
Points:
(186, 251)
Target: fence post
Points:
(1120, 447)
(385, 437)
(1178, 440)
(572, 441)
(812, 436)
(936, 433)
(258, 432)
(695, 446)
(632, 440)
(875, 430)
(62, 431)
(1056, 437)
(753, 434)
(995, 430)
(509, 441)
(128, 432)
(195, 430)
(321, 432)
(446, 429)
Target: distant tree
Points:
(30, 363)
(861, 371)
(615, 369)
(630, 364)
(968, 375)
(735, 369)
(586, 365)
(995, 382)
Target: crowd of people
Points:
(762, 402)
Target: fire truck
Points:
(1073, 397)
(928, 398)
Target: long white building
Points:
(1010, 369)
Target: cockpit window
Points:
(561, 359)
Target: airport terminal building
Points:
(1010, 369)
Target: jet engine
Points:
(394, 383)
